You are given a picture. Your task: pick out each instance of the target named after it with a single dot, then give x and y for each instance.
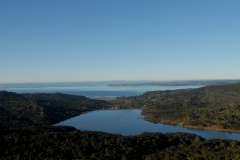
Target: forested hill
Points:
(210, 107)
(21, 110)
(67, 143)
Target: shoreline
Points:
(177, 123)
(167, 122)
(209, 128)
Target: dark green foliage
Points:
(17, 110)
(58, 107)
(21, 110)
(216, 107)
(67, 143)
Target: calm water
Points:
(131, 122)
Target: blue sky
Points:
(81, 40)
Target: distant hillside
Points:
(174, 83)
(21, 110)
(211, 107)
(67, 143)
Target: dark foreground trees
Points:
(68, 143)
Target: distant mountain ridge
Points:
(4, 86)
(175, 83)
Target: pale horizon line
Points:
(102, 81)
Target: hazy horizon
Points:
(120, 81)
(101, 81)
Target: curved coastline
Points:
(214, 108)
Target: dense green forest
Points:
(22, 110)
(68, 143)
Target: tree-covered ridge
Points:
(21, 110)
(67, 143)
(211, 107)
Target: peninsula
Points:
(215, 107)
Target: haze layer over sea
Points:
(107, 89)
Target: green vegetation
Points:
(67, 143)
(22, 110)
(211, 107)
